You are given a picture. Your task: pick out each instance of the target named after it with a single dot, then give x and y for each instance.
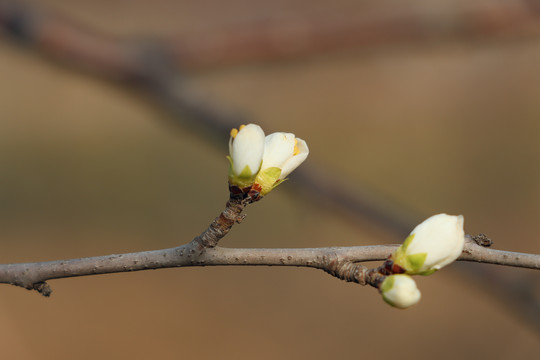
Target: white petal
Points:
(296, 160)
(247, 149)
(456, 251)
(442, 237)
(278, 148)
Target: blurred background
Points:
(113, 136)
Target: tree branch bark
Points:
(341, 262)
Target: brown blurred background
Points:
(429, 107)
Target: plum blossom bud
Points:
(435, 243)
(400, 291)
(246, 147)
(283, 152)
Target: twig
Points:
(477, 253)
(341, 262)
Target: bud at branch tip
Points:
(258, 164)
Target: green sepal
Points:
(427, 272)
(246, 173)
(407, 242)
(244, 179)
(268, 179)
(415, 262)
(399, 256)
(411, 263)
(387, 284)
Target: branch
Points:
(477, 252)
(341, 262)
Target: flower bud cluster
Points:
(259, 163)
(433, 244)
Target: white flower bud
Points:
(283, 152)
(246, 148)
(434, 243)
(400, 291)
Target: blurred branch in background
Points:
(155, 66)
(321, 33)
(316, 32)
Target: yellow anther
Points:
(296, 150)
(241, 127)
(234, 132)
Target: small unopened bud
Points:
(400, 291)
(435, 243)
